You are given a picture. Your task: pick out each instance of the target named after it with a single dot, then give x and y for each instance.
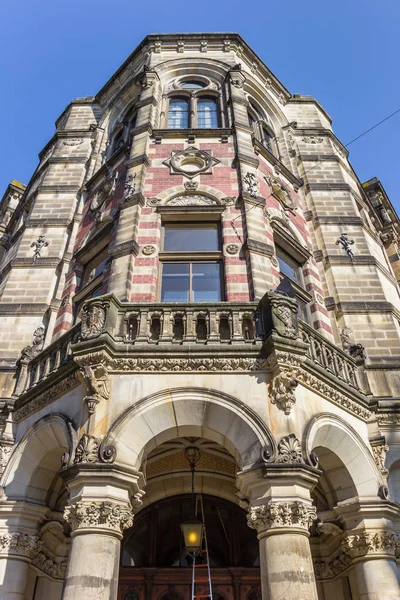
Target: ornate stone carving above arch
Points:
(203, 195)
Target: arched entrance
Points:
(153, 561)
(154, 565)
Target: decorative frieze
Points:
(97, 514)
(21, 544)
(332, 568)
(281, 514)
(53, 568)
(369, 543)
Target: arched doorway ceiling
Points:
(36, 460)
(335, 438)
(189, 412)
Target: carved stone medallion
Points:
(191, 162)
(93, 319)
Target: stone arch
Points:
(36, 460)
(202, 190)
(343, 457)
(265, 103)
(170, 70)
(180, 412)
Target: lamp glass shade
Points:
(193, 536)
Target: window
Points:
(192, 85)
(178, 113)
(92, 280)
(262, 131)
(291, 269)
(201, 112)
(207, 113)
(191, 263)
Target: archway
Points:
(154, 565)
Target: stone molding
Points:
(96, 515)
(367, 544)
(273, 515)
(20, 544)
(331, 568)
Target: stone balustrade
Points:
(135, 328)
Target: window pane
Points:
(207, 115)
(206, 282)
(267, 139)
(192, 238)
(178, 113)
(175, 282)
(288, 266)
(192, 85)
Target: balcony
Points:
(208, 332)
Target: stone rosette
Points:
(281, 515)
(99, 515)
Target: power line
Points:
(326, 158)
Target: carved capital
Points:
(20, 544)
(281, 515)
(366, 543)
(331, 568)
(99, 515)
(5, 453)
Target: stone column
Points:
(19, 544)
(17, 550)
(99, 510)
(281, 511)
(373, 553)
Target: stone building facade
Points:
(194, 263)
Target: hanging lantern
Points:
(193, 536)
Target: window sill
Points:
(187, 256)
(191, 132)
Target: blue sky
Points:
(344, 53)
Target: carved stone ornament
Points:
(191, 162)
(282, 391)
(21, 544)
(379, 451)
(97, 382)
(370, 543)
(107, 190)
(280, 192)
(281, 514)
(87, 450)
(104, 515)
(251, 184)
(38, 247)
(329, 569)
(5, 453)
(274, 262)
(312, 139)
(43, 562)
(191, 186)
(356, 351)
(93, 320)
(148, 250)
(72, 142)
(232, 249)
(130, 186)
(192, 201)
(345, 242)
(289, 450)
(36, 347)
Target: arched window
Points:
(262, 131)
(178, 113)
(207, 113)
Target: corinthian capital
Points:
(281, 514)
(99, 515)
(21, 544)
(371, 543)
